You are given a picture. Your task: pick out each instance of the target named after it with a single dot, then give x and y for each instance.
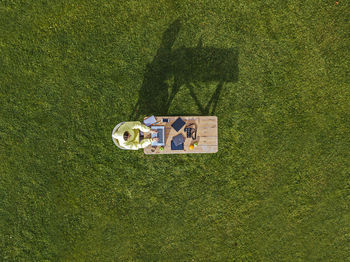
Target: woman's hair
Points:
(126, 135)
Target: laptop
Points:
(160, 134)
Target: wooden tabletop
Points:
(207, 135)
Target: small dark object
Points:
(179, 147)
(178, 124)
(188, 130)
(179, 139)
(194, 135)
(191, 131)
(165, 120)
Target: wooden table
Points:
(207, 135)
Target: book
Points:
(179, 147)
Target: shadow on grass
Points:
(185, 66)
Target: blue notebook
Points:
(179, 147)
(178, 124)
(179, 139)
(149, 121)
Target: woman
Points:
(128, 135)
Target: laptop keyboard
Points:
(160, 136)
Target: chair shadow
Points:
(187, 66)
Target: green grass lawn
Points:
(277, 190)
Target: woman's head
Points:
(126, 135)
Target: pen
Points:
(156, 123)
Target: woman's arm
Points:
(145, 142)
(139, 125)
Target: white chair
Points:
(115, 141)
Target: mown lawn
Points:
(277, 190)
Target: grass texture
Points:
(275, 73)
